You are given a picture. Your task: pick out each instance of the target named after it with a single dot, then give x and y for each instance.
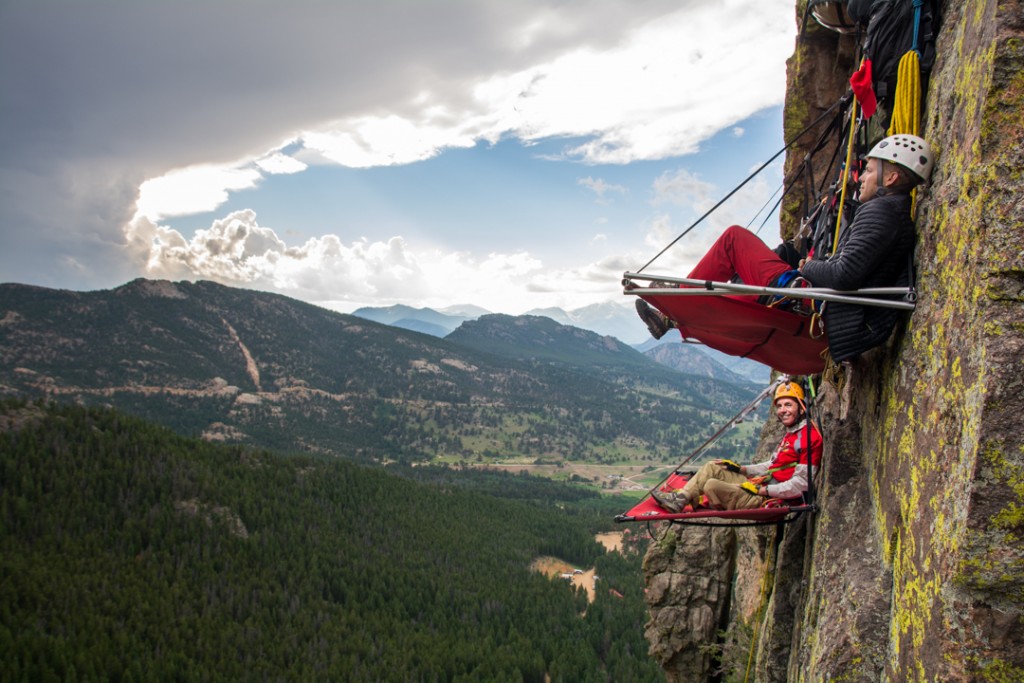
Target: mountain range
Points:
(616, 320)
(244, 366)
(607, 319)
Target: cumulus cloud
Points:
(238, 251)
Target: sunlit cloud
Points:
(386, 141)
(277, 163)
(192, 190)
(632, 102)
(619, 82)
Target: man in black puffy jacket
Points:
(874, 251)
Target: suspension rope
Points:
(763, 206)
(772, 212)
(747, 180)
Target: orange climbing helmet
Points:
(792, 390)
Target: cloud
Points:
(747, 207)
(192, 190)
(278, 163)
(640, 108)
(600, 187)
(683, 188)
(120, 120)
(661, 91)
(238, 251)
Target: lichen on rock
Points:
(913, 567)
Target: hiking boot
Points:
(671, 501)
(657, 324)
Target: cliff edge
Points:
(913, 567)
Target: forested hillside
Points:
(249, 367)
(130, 553)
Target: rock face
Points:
(689, 580)
(913, 568)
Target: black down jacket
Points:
(874, 251)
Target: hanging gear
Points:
(906, 114)
(896, 27)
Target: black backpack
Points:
(889, 36)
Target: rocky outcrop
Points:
(689, 581)
(913, 568)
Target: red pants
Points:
(740, 252)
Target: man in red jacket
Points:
(728, 486)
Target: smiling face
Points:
(788, 411)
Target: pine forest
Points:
(130, 553)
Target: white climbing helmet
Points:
(908, 151)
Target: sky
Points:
(433, 153)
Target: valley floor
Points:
(586, 579)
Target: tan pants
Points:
(722, 488)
